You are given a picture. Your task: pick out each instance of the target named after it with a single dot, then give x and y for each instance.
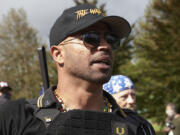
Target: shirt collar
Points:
(48, 100)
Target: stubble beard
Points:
(88, 74)
(93, 77)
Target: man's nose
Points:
(131, 100)
(104, 46)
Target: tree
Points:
(157, 58)
(18, 55)
(124, 55)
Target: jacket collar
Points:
(48, 100)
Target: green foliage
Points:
(18, 55)
(157, 58)
(123, 56)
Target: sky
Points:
(41, 14)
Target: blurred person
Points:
(173, 120)
(123, 90)
(82, 41)
(5, 92)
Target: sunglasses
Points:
(92, 40)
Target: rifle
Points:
(43, 66)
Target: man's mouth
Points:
(106, 60)
(103, 61)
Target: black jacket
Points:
(3, 99)
(145, 127)
(42, 117)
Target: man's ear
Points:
(57, 54)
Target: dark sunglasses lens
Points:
(91, 38)
(113, 40)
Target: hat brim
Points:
(117, 24)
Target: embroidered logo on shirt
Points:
(119, 128)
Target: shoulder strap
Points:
(145, 128)
(47, 115)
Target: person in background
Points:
(5, 92)
(122, 89)
(173, 120)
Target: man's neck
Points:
(81, 95)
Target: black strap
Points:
(47, 115)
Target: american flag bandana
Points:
(118, 83)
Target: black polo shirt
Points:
(22, 118)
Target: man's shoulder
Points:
(16, 112)
(134, 116)
(13, 106)
(3, 100)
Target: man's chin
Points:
(100, 80)
(103, 79)
(131, 108)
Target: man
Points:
(123, 90)
(5, 92)
(81, 42)
(173, 120)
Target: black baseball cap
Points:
(82, 16)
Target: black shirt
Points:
(3, 99)
(23, 118)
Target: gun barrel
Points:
(43, 65)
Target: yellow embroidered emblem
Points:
(82, 13)
(95, 11)
(120, 132)
(119, 128)
(47, 119)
